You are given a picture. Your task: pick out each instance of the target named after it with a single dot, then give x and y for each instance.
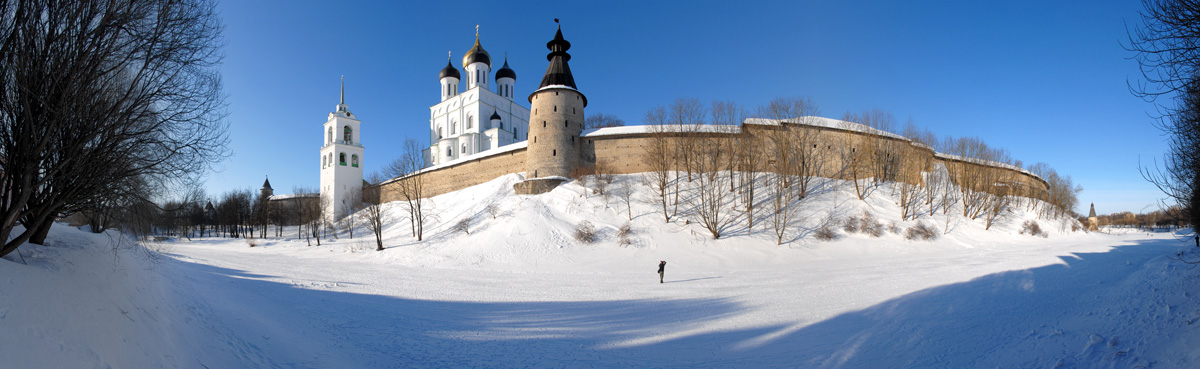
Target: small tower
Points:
(449, 77)
(554, 124)
(495, 121)
(477, 64)
(266, 191)
(341, 162)
(1093, 220)
(505, 79)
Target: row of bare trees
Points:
(703, 164)
(236, 213)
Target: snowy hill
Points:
(520, 291)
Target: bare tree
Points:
(873, 157)
(406, 171)
(98, 92)
(711, 196)
(624, 191)
(727, 116)
(309, 214)
(601, 120)
(375, 214)
(854, 157)
(659, 159)
(687, 115)
(999, 202)
(350, 219)
(492, 209)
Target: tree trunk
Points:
(39, 235)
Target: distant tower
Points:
(555, 123)
(341, 162)
(1093, 220)
(266, 191)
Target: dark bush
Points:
(922, 231)
(623, 234)
(585, 232)
(825, 233)
(1032, 228)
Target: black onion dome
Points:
(558, 73)
(506, 72)
(449, 71)
(477, 55)
(495, 116)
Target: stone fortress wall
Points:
(621, 150)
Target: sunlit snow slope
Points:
(520, 291)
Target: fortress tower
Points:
(555, 123)
(341, 162)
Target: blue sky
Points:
(1044, 80)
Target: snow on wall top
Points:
(986, 162)
(673, 128)
(480, 155)
(294, 196)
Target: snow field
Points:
(519, 291)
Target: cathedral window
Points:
(342, 159)
(346, 134)
(354, 161)
(330, 136)
(470, 121)
(464, 148)
(449, 151)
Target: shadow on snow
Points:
(991, 320)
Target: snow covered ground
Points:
(519, 291)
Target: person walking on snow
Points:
(662, 266)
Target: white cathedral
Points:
(476, 119)
(462, 124)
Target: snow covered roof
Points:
(628, 130)
(294, 196)
(816, 121)
(988, 163)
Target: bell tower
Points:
(341, 162)
(554, 124)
